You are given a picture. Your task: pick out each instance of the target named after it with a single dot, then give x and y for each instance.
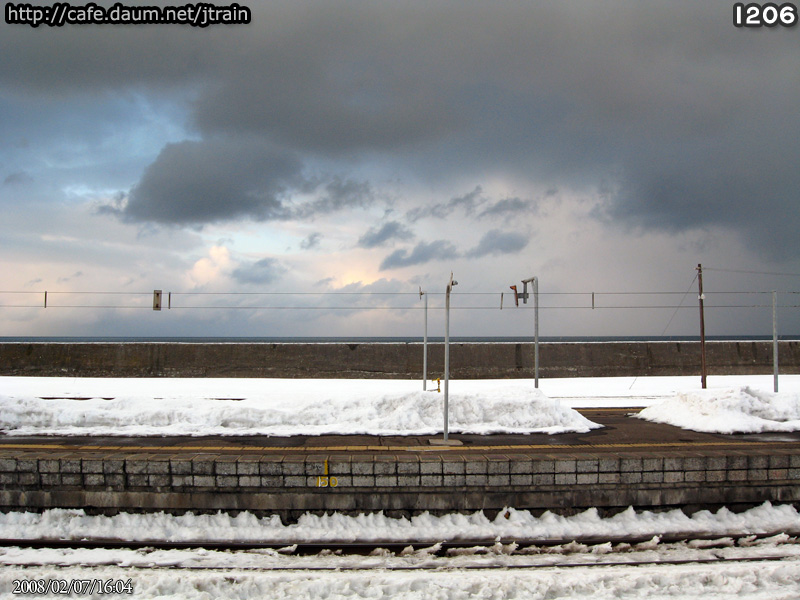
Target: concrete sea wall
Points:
(476, 360)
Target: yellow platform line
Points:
(372, 448)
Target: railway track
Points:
(625, 551)
(365, 547)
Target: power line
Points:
(752, 272)
(299, 293)
(681, 303)
(93, 293)
(322, 294)
(587, 293)
(394, 308)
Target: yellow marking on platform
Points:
(371, 448)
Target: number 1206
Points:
(764, 15)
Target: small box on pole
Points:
(156, 299)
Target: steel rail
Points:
(474, 567)
(437, 548)
(430, 566)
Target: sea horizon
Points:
(380, 339)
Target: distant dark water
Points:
(368, 340)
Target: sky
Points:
(308, 173)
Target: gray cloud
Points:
(422, 253)
(391, 230)
(77, 61)
(441, 210)
(381, 292)
(346, 193)
(312, 241)
(325, 282)
(692, 121)
(676, 195)
(261, 272)
(18, 178)
(316, 91)
(199, 182)
(338, 194)
(379, 286)
(499, 242)
(69, 278)
(193, 183)
(509, 208)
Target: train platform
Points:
(627, 462)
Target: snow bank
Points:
(490, 572)
(734, 410)
(216, 406)
(278, 409)
(750, 580)
(510, 524)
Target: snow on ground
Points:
(493, 572)
(508, 525)
(165, 406)
(734, 410)
(754, 581)
(277, 407)
(34, 403)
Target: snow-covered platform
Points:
(208, 445)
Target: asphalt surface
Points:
(620, 431)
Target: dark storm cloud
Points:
(331, 80)
(79, 60)
(422, 253)
(499, 242)
(194, 183)
(200, 182)
(712, 184)
(690, 121)
(391, 230)
(261, 272)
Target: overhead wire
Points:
(592, 306)
(680, 304)
(752, 272)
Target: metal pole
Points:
(534, 281)
(702, 327)
(536, 331)
(425, 347)
(775, 340)
(447, 356)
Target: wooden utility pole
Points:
(702, 326)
